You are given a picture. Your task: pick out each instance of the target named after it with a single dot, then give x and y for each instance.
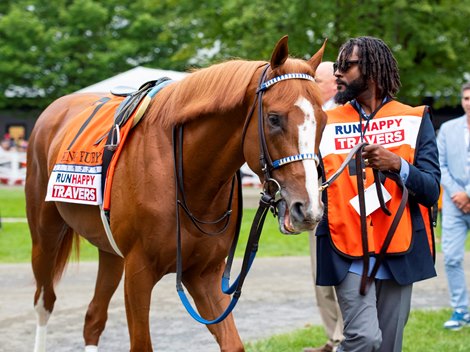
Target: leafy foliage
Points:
(51, 48)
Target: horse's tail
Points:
(65, 248)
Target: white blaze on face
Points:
(307, 145)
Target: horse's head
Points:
(288, 132)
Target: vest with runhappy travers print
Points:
(396, 127)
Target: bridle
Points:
(266, 162)
(268, 200)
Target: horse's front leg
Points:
(211, 302)
(109, 275)
(139, 281)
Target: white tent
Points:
(133, 78)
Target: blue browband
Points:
(263, 87)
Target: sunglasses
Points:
(345, 65)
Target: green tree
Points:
(430, 38)
(51, 48)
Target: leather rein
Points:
(268, 200)
(356, 153)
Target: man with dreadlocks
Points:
(374, 259)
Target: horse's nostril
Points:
(297, 211)
(300, 213)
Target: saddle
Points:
(140, 98)
(126, 109)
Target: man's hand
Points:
(379, 158)
(466, 208)
(461, 200)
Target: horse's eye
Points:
(274, 120)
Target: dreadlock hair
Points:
(376, 63)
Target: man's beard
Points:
(351, 91)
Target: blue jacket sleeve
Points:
(424, 177)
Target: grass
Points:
(423, 333)
(12, 202)
(15, 243)
(272, 242)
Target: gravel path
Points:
(277, 297)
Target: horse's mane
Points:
(207, 91)
(221, 87)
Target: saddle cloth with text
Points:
(77, 174)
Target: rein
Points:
(251, 248)
(266, 202)
(356, 153)
(178, 159)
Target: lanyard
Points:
(364, 116)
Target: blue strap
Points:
(248, 258)
(158, 87)
(226, 288)
(201, 320)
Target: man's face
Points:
(466, 101)
(326, 81)
(349, 79)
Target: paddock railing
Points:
(13, 170)
(12, 167)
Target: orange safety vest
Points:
(395, 127)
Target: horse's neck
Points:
(212, 151)
(213, 120)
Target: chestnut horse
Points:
(215, 105)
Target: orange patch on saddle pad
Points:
(76, 176)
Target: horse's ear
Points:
(280, 53)
(316, 59)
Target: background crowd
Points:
(8, 143)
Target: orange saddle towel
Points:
(98, 131)
(77, 174)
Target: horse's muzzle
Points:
(298, 217)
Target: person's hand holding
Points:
(377, 157)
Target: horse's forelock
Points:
(290, 90)
(212, 90)
(292, 65)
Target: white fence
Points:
(12, 167)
